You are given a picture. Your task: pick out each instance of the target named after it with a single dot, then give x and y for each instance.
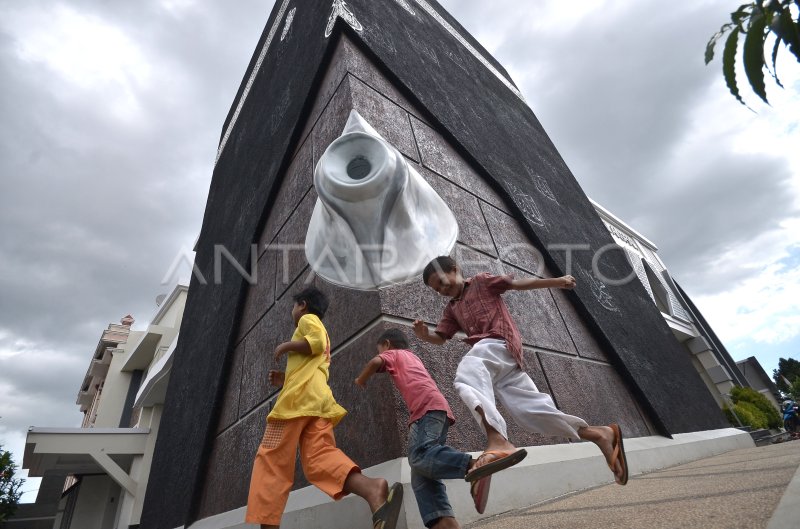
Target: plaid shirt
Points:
(481, 313)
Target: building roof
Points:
(80, 451)
(750, 367)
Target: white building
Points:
(712, 361)
(103, 467)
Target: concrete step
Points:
(772, 438)
(548, 472)
(760, 434)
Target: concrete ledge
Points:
(547, 472)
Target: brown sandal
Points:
(502, 460)
(618, 455)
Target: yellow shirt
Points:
(305, 389)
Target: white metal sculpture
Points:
(376, 222)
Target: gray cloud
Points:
(618, 93)
(724, 201)
(49, 395)
(95, 203)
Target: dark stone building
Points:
(604, 352)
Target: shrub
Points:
(770, 415)
(748, 414)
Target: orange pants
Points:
(273, 470)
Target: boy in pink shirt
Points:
(431, 460)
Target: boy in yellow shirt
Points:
(305, 414)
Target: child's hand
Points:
(360, 383)
(421, 329)
(277, 378)
(569, 282)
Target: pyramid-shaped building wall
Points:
(603, 351)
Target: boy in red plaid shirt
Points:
(493, 367)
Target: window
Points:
(660, 294)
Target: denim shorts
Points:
(431, 461)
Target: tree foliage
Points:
(753, 409)
(756, 22)
(9, 486)
(747, 414)
(787, 374)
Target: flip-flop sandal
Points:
(619, 455)
(480, 493)
(503, 459)
(387, 514)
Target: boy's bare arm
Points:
(370, 369)
(298, 346)
(423, 333)
(530, 283)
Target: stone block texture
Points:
(562, 356)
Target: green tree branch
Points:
(10, 486)
(757, 21)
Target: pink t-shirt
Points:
(414, 383)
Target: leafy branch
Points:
(10, 487)
(756, 22)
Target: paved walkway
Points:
(739, 489)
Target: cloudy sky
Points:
(112, 110)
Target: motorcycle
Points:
(791, 417)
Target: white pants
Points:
(489, 369)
